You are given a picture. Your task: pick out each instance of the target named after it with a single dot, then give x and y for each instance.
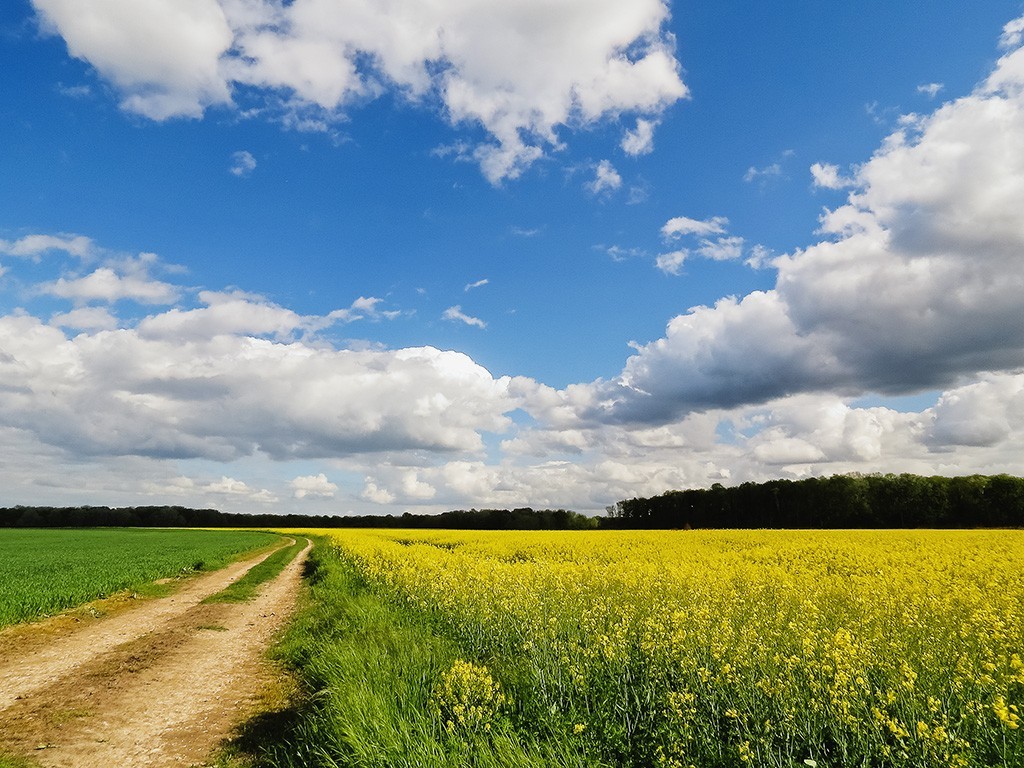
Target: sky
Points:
(363, 257)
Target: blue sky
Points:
(342, 256)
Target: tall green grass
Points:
(370, 672)
(43, 572)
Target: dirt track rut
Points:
(158, 685)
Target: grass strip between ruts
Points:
(247, 587)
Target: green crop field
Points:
(46, 571)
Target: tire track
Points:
(159, 685)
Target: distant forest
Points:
(183, 517)
(840, 501)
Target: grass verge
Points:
(379, 691)
(247, 587)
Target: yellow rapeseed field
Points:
(767, 648)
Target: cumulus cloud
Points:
(136, 409)
(931, 90)
(163, 56)
(606, 179)
(759, 257)
(1013, 34)
(363, 308)
(456, 314)
(313, 487)
(33, 246)
(242, 163)
(640, 141)
(372, 493)
(724, 248)
(229, 486)
(104, 284)
(86, 319)
(682, 225)
(721, 248)
(827, 176)
(237, 312)
(520, 70)
(980, 414)
(671, 263)
(917, 283)
(236, 377)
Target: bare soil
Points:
(159, 683)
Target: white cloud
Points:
(917, 284)
(1013, 34)
(363, 308)
(455, 313)
(143, 415)
(86, 319)
(478, 284)
(521, 70)
(759, 257)
(35, 245)
(237, 312)
(414, 488)
(619, 254)
(722, 248)
(313, 487)
(242, 163)
(104, 284)
(931, 90)
(229, 486)
(672, 263)
(827, 176)
(225, 394)
(768, 171)
(641, 140)
(606, 179)
(984, 413)
(163, 55)
(372, 493)
(681, 225)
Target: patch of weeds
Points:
(212, 627)
(154, 589)
(10, 761)
(67, 715)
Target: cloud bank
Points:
(915, 284)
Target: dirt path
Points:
(158, 685)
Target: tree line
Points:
(840, 501)
(523, 518)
